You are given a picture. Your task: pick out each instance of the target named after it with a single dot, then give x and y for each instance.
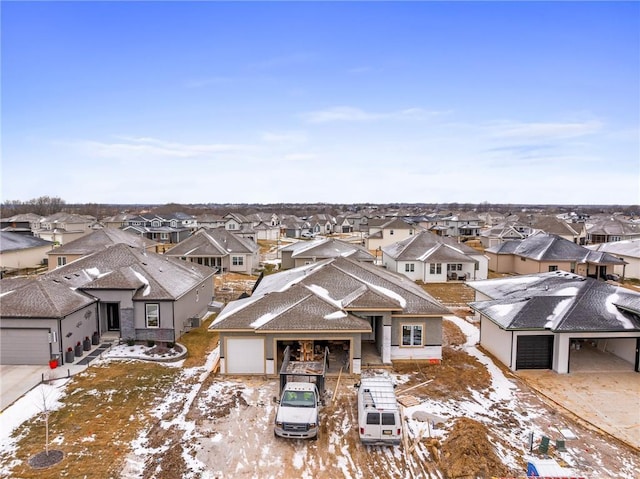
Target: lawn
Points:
(103, 411)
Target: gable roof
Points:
(553, 225)
(559, 302)
(629, 248)
(103, 238)
(323, 294)
(39, 298)
(428, 247)
(15, 242)
(212, 242)
(547, 247)
(328, 248)
(154, 276)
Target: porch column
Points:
(386, 343)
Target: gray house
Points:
(542, 321)
(219, 248)
(303, 252)
(345, 305)
(122, 291)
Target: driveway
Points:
(610, 401)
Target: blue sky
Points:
(340, 102)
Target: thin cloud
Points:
(540, 130)
(139, 147)
(352, 114)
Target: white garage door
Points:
(244, 356)
(24, 346)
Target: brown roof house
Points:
(94, 242)
(364, 314)
(121, 291)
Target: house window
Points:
(152, 313)
(454, 267)
(164, 236)
(237, 260)
(156, 223)
(573, 266)
(553, 267)
(409, 267)
(391, 232)
(435, 268)
(174, 224)
(62, 260)
(412, 335)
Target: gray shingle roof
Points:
(101, 239)
(544, 247)
(428, 247)
(155, 276)
(213, 242)
(15, 241)
(321, 294)
(558, 301)
(40, 298)
(328, 248)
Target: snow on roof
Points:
(336, 315)
(558, 313)
(324, 294)
(147, 288)
(613, 309)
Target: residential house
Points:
(270, 219)
(609, 229)
(20, 252)
(220, 249)
(60, 228)
(121, 290)
(117, 221)
(23, 223)
(504, 232)
(628, 251)
(543, 320)
(383, 232)
(210, 221)
(165, 230)
(345, 305)
(322, 224)
(344, 224)
(307, 252)
(575, 232)
(543, 252)
(430, 258)
(95, 242)
(293, 227)
(462, 225)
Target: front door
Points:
(113, 317)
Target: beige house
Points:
(20, 251)
(388, 231)
(61, 228)
(543, 253)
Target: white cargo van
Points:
(378, 412)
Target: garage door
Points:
(534, 352)
(24, 346)
(244, 356)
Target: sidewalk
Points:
(16, 381)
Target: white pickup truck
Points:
(298, 411)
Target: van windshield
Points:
(298, 399)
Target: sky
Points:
(306, 102)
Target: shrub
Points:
(170, 344)
(130, 341)
(151, 343)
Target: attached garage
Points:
(24, 346)
(244, 356)
(534, 352)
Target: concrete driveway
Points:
(609, 401)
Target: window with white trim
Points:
(152, 315)
(553, 267)
(237, 260)
(409, 268)
(62, 260)
(412, 335)
(435, 268)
